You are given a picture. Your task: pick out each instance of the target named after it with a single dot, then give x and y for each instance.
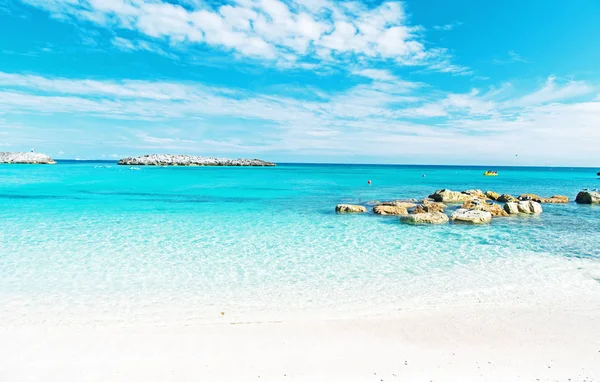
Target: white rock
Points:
(529, 207)
(25, 158)
(511, 207)
(471, 216)
(449, 196)
(349, 208)
(425, 218)
(189, 160)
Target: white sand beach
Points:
(527, 337)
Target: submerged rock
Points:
(471, 216)
(390, 210)
(189, 160)
(349, 208)
(425, 218)
(481, 205)
(25, 158)
(449, 196)
(492, 195)
(506, 198)
(588, 197)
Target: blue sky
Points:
(436, 82)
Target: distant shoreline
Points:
(484, 167)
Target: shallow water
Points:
(96, 240)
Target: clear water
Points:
(96, 241)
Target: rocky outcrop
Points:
(530, 207)
(475, 193)
(429, 206)
(534, 197)
(189, 160)
(390, 210)
(349, 208)
(471, 216)
(492, 195)
(511, 208)
(506, 198)
(553, 199)
(481, 205)
(588, 197)
(449, 196)
(425, 218)
(398, 203)
(556, 199)
(25, 158)
(523, 207)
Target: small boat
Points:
(490, 173)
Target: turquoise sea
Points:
(96, 242)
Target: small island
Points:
(189, 160)
(25, 158)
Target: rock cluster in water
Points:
(189, 160)
(25, 158)
(477, 207)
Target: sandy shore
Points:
(447, 344)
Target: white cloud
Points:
(140, 45)
(290, 33)
(513, 57)
(554, 92)
(448, 27)
(385, 117)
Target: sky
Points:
(419, 81)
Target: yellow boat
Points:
(490, 173)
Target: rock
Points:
(506, 198)
(481, 205)
(492, 195)
(349, 208)
(25, 158)
(471, 216)
(588, 197)
(524, 207)
(425, 218)
(405, 204)
(556, 199)
(534, 197)
(475, 193)
(189, 160)
(530, 207)
(398, 203)
(511, 208)
(428, 206)
(389, 210)
(448, 196)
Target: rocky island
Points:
(25, 158)
(189, 160)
